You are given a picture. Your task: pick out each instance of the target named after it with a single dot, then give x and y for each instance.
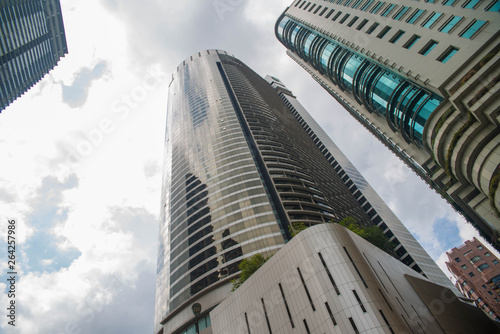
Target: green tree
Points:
(296, 228)
(248, 266)
(372, 234)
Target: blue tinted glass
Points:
(471, 4)
(377, 7)
(423, 115)
(350, 68)
(281, 26)
(448, 2)
(432, 19)
(294, 33)
(325, 56)
(416, 16)
(358, 2)
(401, 13)
(473, 29)
(448, 55)
(307, 44)
(412, 42)
(495, 7)
(428, 48)
(384, 87)
(387, 10)
(451, 24)
(366, 5)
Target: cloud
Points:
(76, 94)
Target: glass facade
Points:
(32, 40)
(239, 170)
(405, 105)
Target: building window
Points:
(329, 13)
(433, 18)
(464, 283)
(479, 247)
(464, 267)
(494, 6)
(344, 18)
(323, 11)
(415, 16)
(396, 36)
(428, 48)
(383, 32)
(377, 7)
(372, 28)
(387, 10)
(401, 12)
(487, 254)
(457, 259)
(336, 16)
(471, 4)
(471, 30)
(362, 24)
(483, 266)
(356, 4)
(347, 3)
(449, 2)
(307, 5)
(479, 300)
(471, 274)
(484, 286)
(450, 24)
(366, 5)
(467, 253)
(448, 54)
(354, 19)
(495, 261)
(314, 5)
(490, 293)
(317, 9)
(475, 259)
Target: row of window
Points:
(405, 105)
(429, 22)
(493, 6)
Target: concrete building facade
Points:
(329, 280)
(477, 272)
(422, 76)
(32, 40)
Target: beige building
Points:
(329, 280)
(422, 76)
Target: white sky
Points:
(81, 156)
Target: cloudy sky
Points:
(81, 156)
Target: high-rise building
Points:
(243, 161)
(477, 271)
(32, 41)
(422, 76)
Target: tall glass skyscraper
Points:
(32, 41)
(243, 161)
(422, 77)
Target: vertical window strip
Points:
(362, 24)
(472, 29)
(248, 325)
(366, 5)
(356, 268)
(265, 314)
(386, 322)
(448, 54)
(329, 274)
(359, 300)
(286, 305)
(330, 313)
(428, 48)
(386, 301)
(396, 36)
(387, 10)
(377, 7)
(384, 32)
(307, 327)
(450, 24)
(329, 13)
(417, 14)
(494, 6)
(414, 39)
(307, 290)
(372, 28)
(401, 12)
(433, 18)
(353, 324)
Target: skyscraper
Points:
(477, 271)
(32, 41)
(243, 161)
(420, 76)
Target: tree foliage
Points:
(296, 228)
(248, 266)
(372, 234)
